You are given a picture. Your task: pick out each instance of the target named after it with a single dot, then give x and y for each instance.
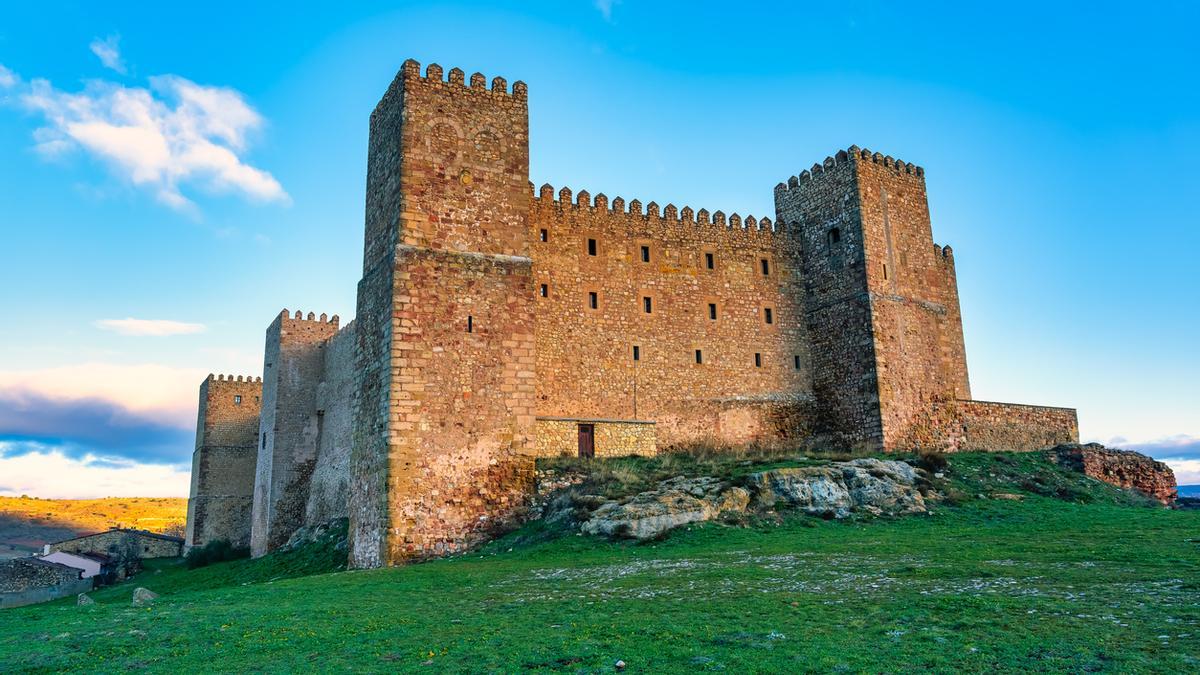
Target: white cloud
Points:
(49, 473)
(163, 393)
(1187, 471)
(7, 78)
(174, 133)
(109, 52)
(149, 327)
(606, 8)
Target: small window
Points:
(712, 311)
(757, 360)
(544, 290)
(765, 265)
(647, 304)
(835, 235)
(637, 353)
(710, 261)
(699, 356)
(470, 324)
(237, 400)
(593, 300)
(796, 362)
(264, 441)
(885, 272)
(591, 247)
(544, 234)
(768, 315)
(645, 254)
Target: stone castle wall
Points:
(668, 283)
(222, 490)
(329, 488)
(559, 437)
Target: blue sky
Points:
(174, 176)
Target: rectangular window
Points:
(768, 315)
(645, 254)
(796, 362)
(637, 353)
(647, 304)
(237, 400)
(470, 324)
(757, 360)
(544, 234)
(264, 441)
(885, 271)
(699, 356)
(712, 311)
(766, 266)
(710, 261)
(593, 300)
(591, 247)
(544, 290)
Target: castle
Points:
(497, 323)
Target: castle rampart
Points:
(496, 323)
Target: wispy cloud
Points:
(109, 52)
(45, 471)
(149, 327)
(172, 134)
(7, 78)
(606, 8)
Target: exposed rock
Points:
(675, 502)
(83, 599)
(874, 485)
(837, 489)
(310, 533)
(143, 597)
(1123, 468)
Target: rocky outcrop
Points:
(834, 490)
(1123, 468)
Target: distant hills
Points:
(26, 523)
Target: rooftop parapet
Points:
(670, 213)
(848, 156)
(300, 316)
(247, 379)
(434, 74)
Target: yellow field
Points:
(27, 523)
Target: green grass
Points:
(1089, 579)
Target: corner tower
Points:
(223, 463)
(881, 299)
(445, 324)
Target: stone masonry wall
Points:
(329, 488)
(726, 287)
(612, 438)
(290, 428)
(953, 425)
(25, 581)
(149, 545)
(223, 463)
(1122, 468)
(446, 391)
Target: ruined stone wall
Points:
(558, 437)
(148, 544)
(726, 287)
(329, 488)
(223, 463)
(446, 387)
(290, 427)
(1122, 468)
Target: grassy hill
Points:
(27, 522)
(1023, 566)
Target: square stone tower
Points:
(445, 406)
(881, 298)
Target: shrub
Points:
(932, 461)
(214, 552)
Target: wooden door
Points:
(587, 440)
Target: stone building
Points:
(25, 581)
(132, 543)
(497, 322)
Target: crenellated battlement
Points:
(310, 317)
(435, 75)
(849, 157)
(247, 379)
(545, 196)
